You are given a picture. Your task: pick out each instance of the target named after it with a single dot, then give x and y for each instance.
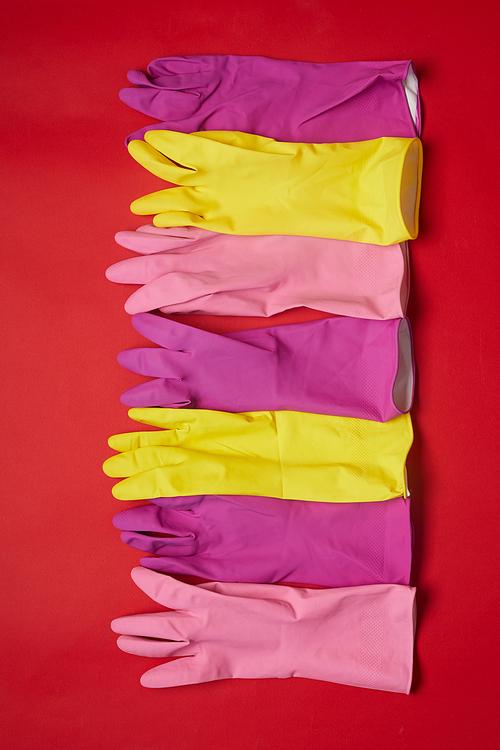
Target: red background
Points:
(68, 183)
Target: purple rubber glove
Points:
(347, 367)
(192, 270)
(281, 99)
(359, 636)
(267, 540)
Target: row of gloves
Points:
(361, 635)
(292, 211)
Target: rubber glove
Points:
(266, 540)
(348, 367)
(360, 636)
(282, 99)
(237, 183)
(192, 270)
(284, 454)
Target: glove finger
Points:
(156, 520)
(176, 289)
(173, 393)
(136, 461)
(169, 82)
(187, 232)
(140, 270)
(170, 420)
(166, 419)
(128, 441)
(178, 172)
(210, 304)
(143, 647)
(170, 626)
(151, 243)
(178, 219)
(173, 594)
(185, 503)
(172, 288)
(184, 476)
(138, 78)
(181, 64)
(247, 141)
(181, 105)
(172, 336)
(176, 199)
(167, 547)
(155, 362)
(183, 148)
(186, 671)
(179, 566)
(213, 424)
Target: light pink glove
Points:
(360, 636)
(192, 270)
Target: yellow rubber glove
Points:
(283, 454)
(236, 183)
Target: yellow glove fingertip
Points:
(116, 491)
(107, 469)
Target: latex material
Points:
(273, 454)
(341, 366)
(192, 270)
(267, 540)
(236, 183)
(359, 636)
(282, 99)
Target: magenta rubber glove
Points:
(267, 540)
(360, 636)
(286, 100)
(193, 270)
(348, 367)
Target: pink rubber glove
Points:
(267, 540)
(347, 367)
(360, 636)
(282, 99)
(192, 270)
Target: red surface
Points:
(67, 185)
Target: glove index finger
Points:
(146, 242)
(168, 419)
(248, 141)
(169, 591)
(171, 335)
(159, 164)
(130, 441)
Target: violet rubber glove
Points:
(360, 636)
(267, 540)
(348, 367)
(193, 270)
(281, 99)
